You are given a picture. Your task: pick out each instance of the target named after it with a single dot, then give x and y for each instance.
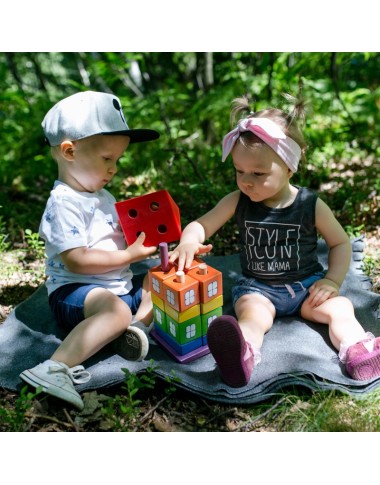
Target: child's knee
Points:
(253, 303)
(342, 303)
(110, 305)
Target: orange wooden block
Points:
(210, 281)
(181, 296)
(157, 278)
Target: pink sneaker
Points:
(363, 364)
(232, 353)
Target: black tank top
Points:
(278, 245)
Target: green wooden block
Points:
(207, 318)
(159, 318)
(186, 331)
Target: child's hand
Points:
(138, 251)
(185, 253)
(321, 291)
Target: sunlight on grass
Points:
(319, 412)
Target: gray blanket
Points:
(295, 352)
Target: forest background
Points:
(186, 96)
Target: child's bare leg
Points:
(235, 345)
(339, 314)
(106, 317)
(255, 315)
(145, 311)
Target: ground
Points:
(167, 408)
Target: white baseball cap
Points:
(89, 113)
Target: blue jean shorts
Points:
(67, 302)
(287, 299)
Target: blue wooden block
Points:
(193, 350)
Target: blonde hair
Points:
(288, 122)
(55, 153)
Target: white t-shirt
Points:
(82, 219)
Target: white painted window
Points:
(172, 328)
(212, 289)
(190, 331)
(158, 317)
(210, 319)
(156, 285)
(189, 297)
(170, 297)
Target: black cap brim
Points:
(137, 136)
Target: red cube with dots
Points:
(155, 214)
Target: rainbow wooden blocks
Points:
(184, 305)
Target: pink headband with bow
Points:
(286, 148)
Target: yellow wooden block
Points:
(212, 304)
(158, 302)
(182, 316)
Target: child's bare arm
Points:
(85, 260)
(339, 255)
(195, 233)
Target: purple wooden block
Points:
(182, 359)
(164, 255)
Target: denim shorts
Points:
(287, 299)
(67, 302)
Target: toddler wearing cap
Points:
(92, 290)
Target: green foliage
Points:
(15, 418)
(4, 244)
(371, 264)
(186, 96)
(123, 408)
(35, 243)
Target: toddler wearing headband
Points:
(278, 224)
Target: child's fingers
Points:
(320, 295)
(189, 260)
(150, 249)
(315, 300)
(140, 238)
(173, 255)
(205, 249)
(186, 255)
(185, 259)
(147, 250)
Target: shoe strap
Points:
(77, 374)
(249, 352)
(345, 345)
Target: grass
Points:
(329, 411)
(144, 403)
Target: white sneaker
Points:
(142, 326)
(57, 379)
(133, 344)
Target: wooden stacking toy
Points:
(184, 305)
(184, 302)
